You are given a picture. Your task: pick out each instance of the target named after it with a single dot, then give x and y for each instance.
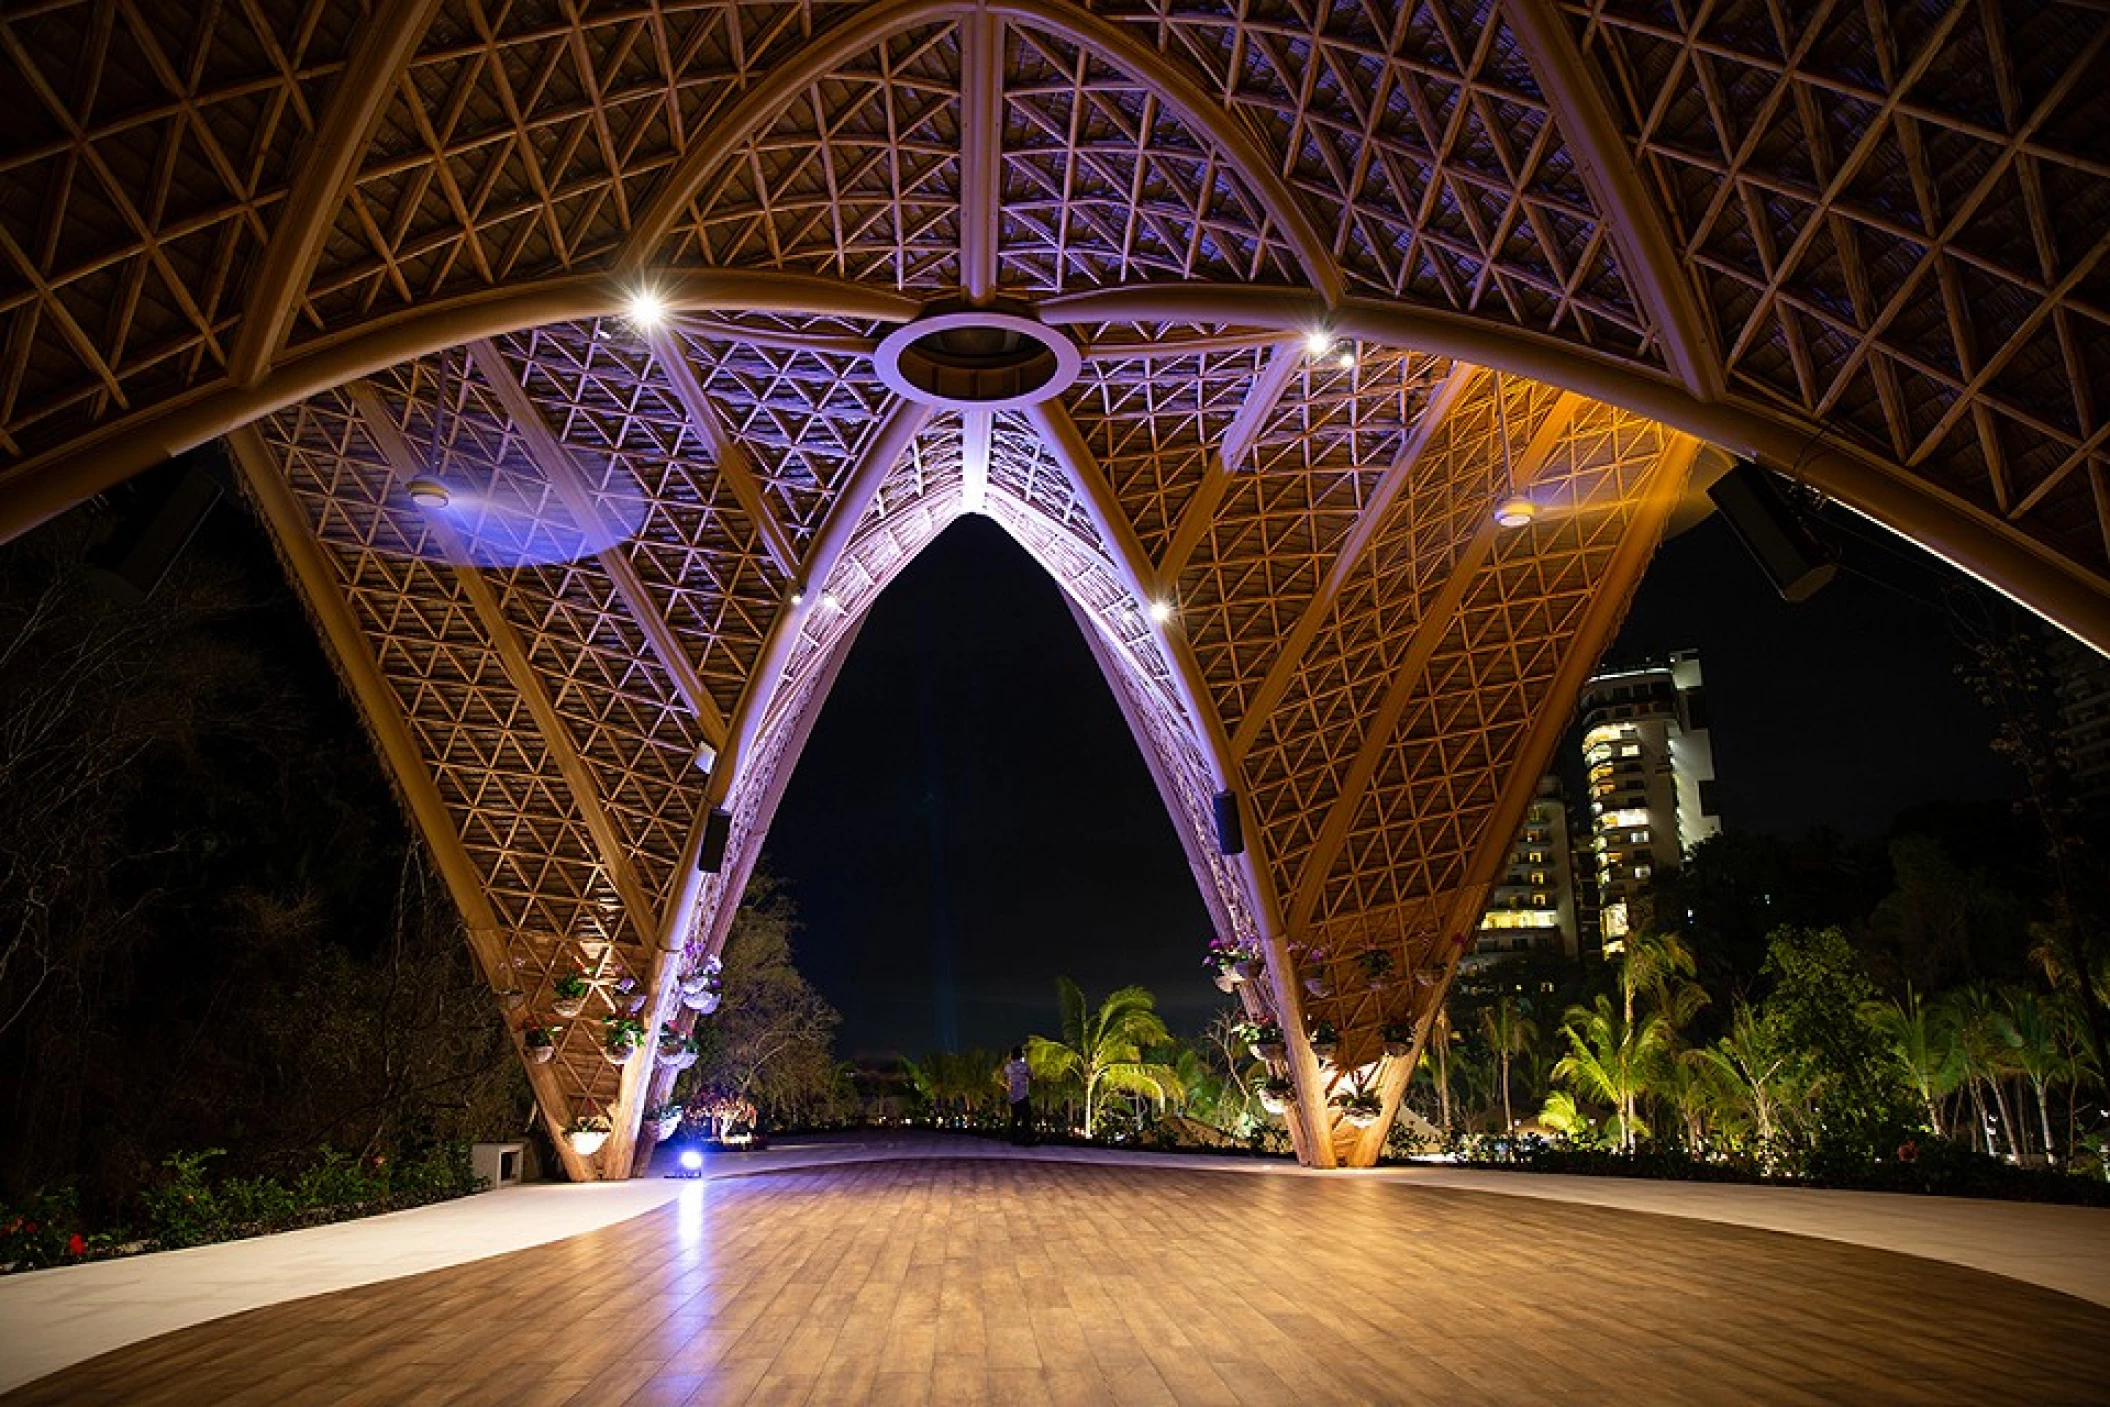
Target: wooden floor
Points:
(980, 1281)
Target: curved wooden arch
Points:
(44, 487)
(875, 24)
(388, 40)
(1968, 538)
(1631, 218)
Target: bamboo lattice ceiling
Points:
(1864, 240)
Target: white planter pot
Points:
(1274, 1103)
(665, 1129)
(587, 1144)
(568, 1006)
(541, 1054)
(1362, 1119)
(1318, 986)
(618, 1055)
(1269, 1050)
(702, 1003)
(1225, 982)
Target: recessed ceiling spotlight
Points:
(1161, 611)
(1345, 361)
(1515, 511)
(1318, 342)
(798, 594)
(647, 310)
(427, 493)
(832, 601)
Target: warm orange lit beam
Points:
(558, 467)
(1290, 658)
(317, 578)
(1428, 633)
(1600, 624)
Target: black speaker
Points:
(156, 517)
(717, 830)
(1230, 834)
(1774, 531)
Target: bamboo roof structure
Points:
(1313, 287)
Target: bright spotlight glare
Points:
(1318, 342)
(832, 601)
(1345, 361)
(691, 1160)
(1161, 611)
(646, 309)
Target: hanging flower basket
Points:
(587, 1134)
(1378, 967)
(1399, 1038)
(540, 1042)
(664, 1121)
(1361, 1110)
(1231, 962)
(676, 1051)
(570, 991)
(620, 1038)
(511, 1000)
(1264, 1039)
(1324, 1040)
(1275, 1096)
(702, 1003)
(1319, 985)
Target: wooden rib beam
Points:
(562, 471)
(1428, 634)
(1600, 623)
(316, 576)
(977, 435)
(872, 24)
(903, 422)
(1258, 407)
(1441, 403)
(1059, 433)
(1635, 225)
(388, 38)
(42, 487)
(981, 152)
(731, 460)
(610, 847)
(505, 642)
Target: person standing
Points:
(1018, 1083)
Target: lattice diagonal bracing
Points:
(562, 349)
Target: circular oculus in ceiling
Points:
(977, 359)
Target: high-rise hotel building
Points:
(1532, 907)
(1650, 762)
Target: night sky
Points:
(972, 818)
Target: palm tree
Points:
(1608, 1062)
(1749, 1063)
(1509, 1033)
(2038, 1053)
(1103, 1051)
(1987, 1041)
(1923, 1042)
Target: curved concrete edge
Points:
(53, 1319)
